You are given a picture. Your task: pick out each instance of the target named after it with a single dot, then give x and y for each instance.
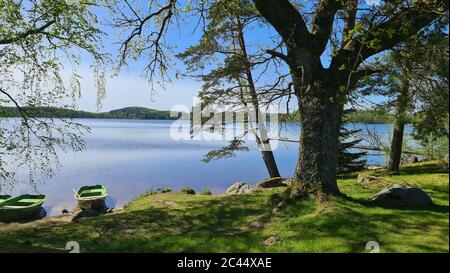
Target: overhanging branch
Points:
(27, 33)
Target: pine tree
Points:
(348, 160)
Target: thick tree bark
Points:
(320, 114)
(399, 127)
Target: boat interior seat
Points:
(26, 202)
(92, 192)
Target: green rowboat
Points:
(91, 197)
(4, 198)
(23, 207)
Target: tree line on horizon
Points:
(354, 116)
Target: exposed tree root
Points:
(299, 191)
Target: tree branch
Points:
(350, 20)
(323, 23)
(27, 33)
(416, 17)
(277, 54)
(286, 20)
(399, 27)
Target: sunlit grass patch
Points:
(179, 222)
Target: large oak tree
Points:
(349, 32)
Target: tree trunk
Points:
(320, 115)
(396, 147)
(399, 127)
(271, 164)
(260, 132)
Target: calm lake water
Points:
(133, 156)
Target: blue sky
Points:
(130, 88)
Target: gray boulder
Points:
(366, 179)
(188, 190)
(410, 159)
(271, 241)
(241, 188)
(271, 183)
(233, 189)
(247, 188)
(86, 214)
(402, 196)
(374, 167)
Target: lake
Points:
(131, 157)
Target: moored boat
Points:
(91, 197)
(23, 207)
(4, 198)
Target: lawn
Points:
(177, 222)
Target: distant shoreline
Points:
(142, 113)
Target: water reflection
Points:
(130, 157)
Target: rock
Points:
(188, 190)
(247, 188)
(257, 224)
(241, 188)
(233, 189)
(402, 196)
(410, 160)
(366, 179)
(86, 213)
(374, 167)
(279, 206)
(271, 183)
(206, 192)
(166, 190)
(271, 241)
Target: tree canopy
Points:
(37, 39)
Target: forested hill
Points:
(357, 116)
(124, 113)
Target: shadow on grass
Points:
(370, 204)
(419, 168)
(224, 224)
(217, 225)
(422, 168)
(350, 223)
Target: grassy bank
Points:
(176, 222)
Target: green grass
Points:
(177, 222)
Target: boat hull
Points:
(18, 214)
(92, 204)
(92, 197)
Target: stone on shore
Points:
(272, 183)
(366, 179)
(402, 196)
(241, 188)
